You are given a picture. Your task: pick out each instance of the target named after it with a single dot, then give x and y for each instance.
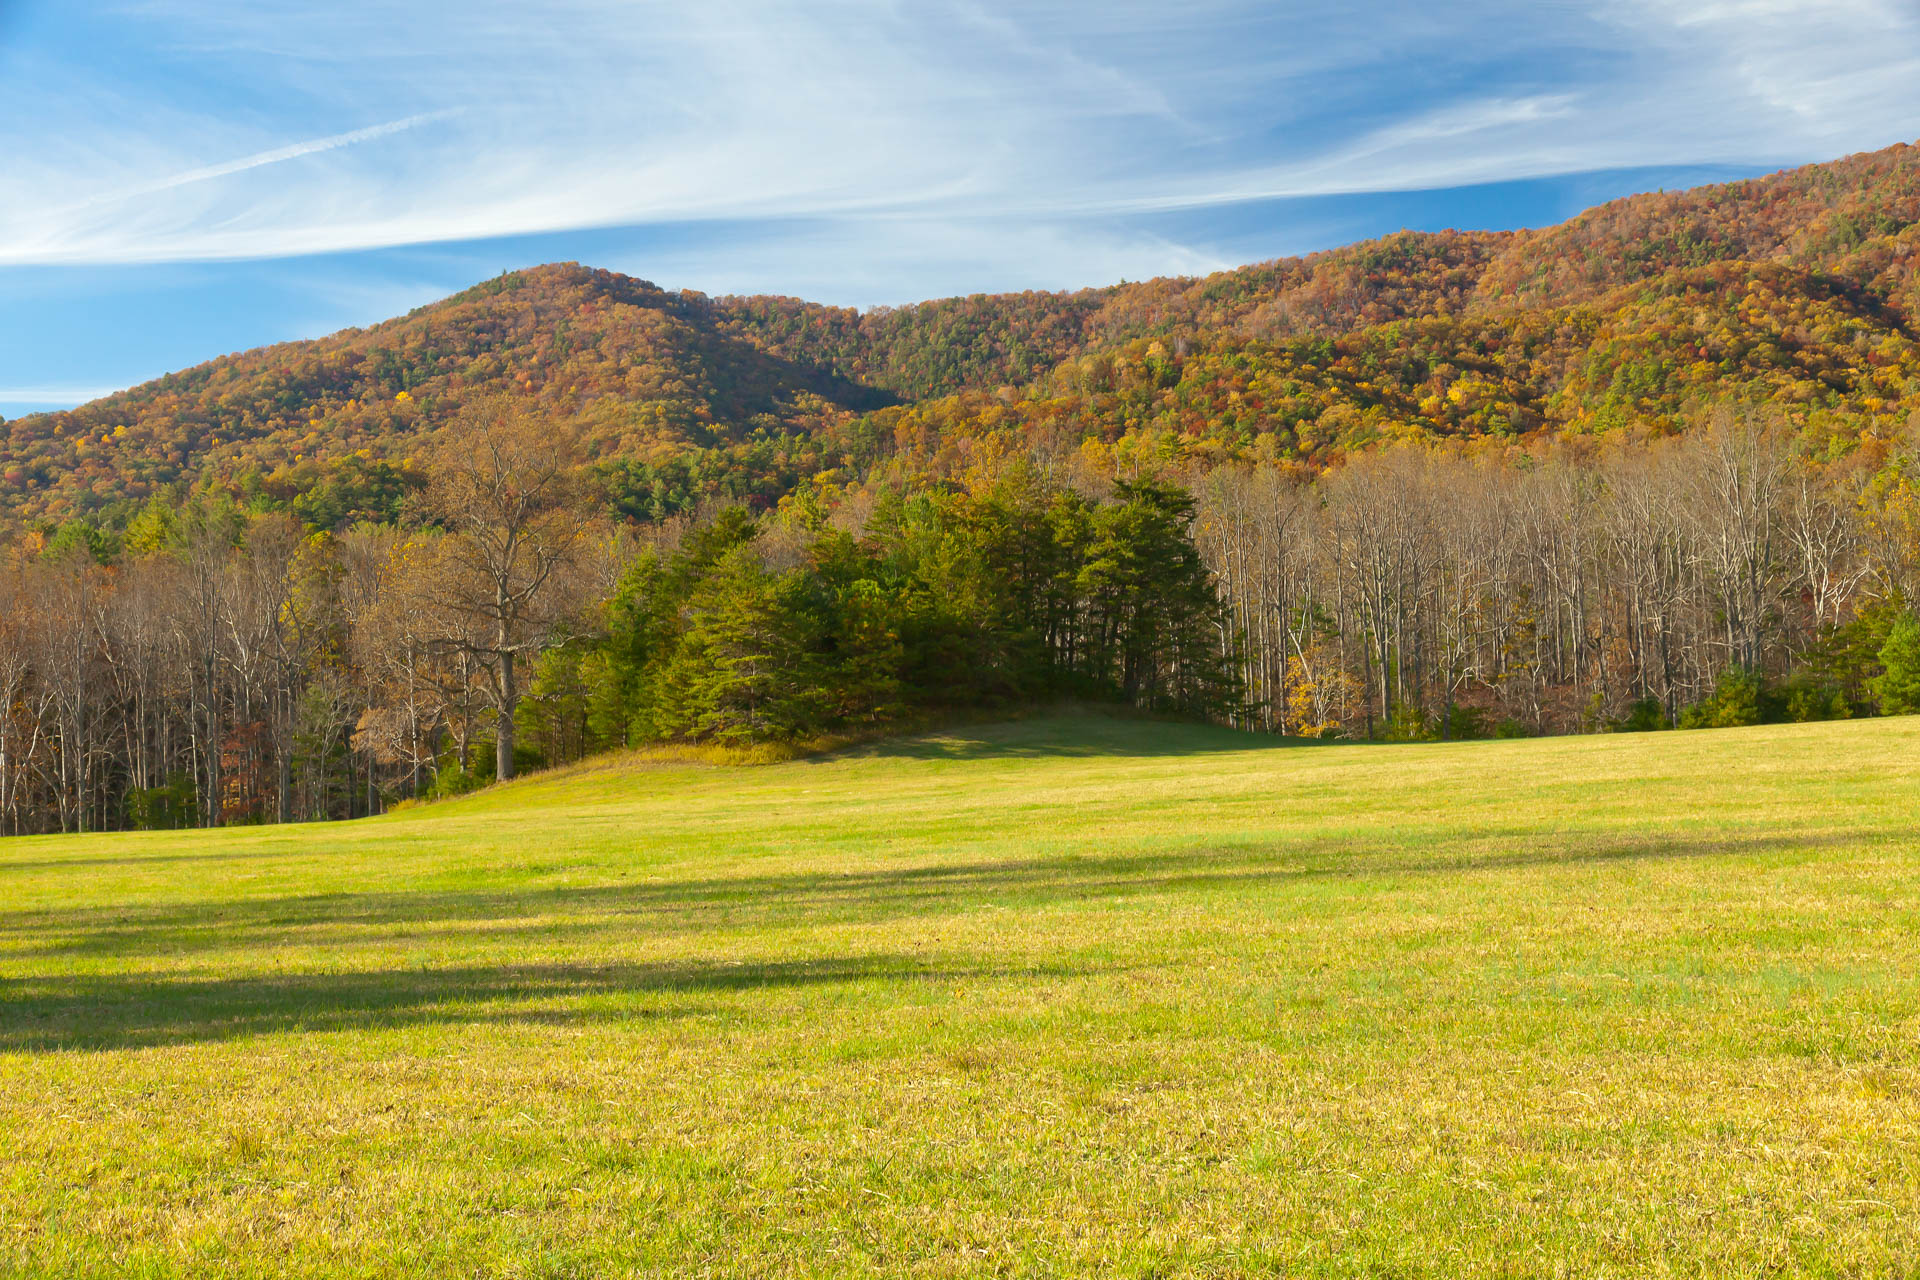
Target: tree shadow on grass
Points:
(117, 1011)
(1088, 735)
(622, 909)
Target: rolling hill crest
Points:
(1798, 291)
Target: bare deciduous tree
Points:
(505, 488)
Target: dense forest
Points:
(220, 665)
(1655, 467)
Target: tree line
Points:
(1733, 574)
(210, 664)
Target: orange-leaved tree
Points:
(503, 581)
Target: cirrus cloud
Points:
(245, 132)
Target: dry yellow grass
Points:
(1068, 996)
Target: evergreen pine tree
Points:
(747, 667)
(1898, 688)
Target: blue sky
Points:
(185, 178)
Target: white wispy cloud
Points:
(908, 258)
(1010, 128)
(260, 159)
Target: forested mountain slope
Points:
(1798, 290)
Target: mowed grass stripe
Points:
(1072, 995)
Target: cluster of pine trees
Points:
(753, 630)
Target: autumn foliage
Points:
(1796, 291)
(1658, 467)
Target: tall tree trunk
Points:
(283, 781)
(503, 735)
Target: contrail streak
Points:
(293, 151)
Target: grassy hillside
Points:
(1068, 996)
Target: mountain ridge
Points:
(1799, 290)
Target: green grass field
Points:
(1070, 996)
